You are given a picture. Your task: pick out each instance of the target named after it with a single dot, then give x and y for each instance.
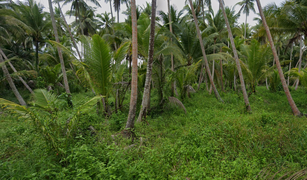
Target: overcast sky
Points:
(179, 4)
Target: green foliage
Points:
(255, 57)
(212, 141)
(99, 64)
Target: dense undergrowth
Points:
(212, 141)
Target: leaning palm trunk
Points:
(68, 29)
(15, 71)
(217, 95)
(293, 106)
(11, 83)
(146, 95)
(59, 49)
(248, 108)
(133, 98)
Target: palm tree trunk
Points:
(13, 68)
(68, 29)
(292, 104)
(171, 30)
(111, 10)
(201, 77)
(290, 64)
(11, 83)
(245, 27)
(247, 106)
(117, 16)
(300, 60)
(59, 49)
(133, 98)
(203, 9)
(213, 69)
(146, 94)
(36, 56)
(221, 67)
(217, 95)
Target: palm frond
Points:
(177, 102)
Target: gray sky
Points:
(179, 4)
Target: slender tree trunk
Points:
(290, 64)
(221, 67)
(213, 69)
(234, 80)
(59, 49)
(11, 83)
(247, 106)
(203, 9)
(36, 56)
(171, 30)
(201, 77)
(293, 106)
(300, 60)
(206, 82)
(118, 16)
(217, 95)
(245, 27)
(146, 94)
(68, 29)
(13, 68)
(133, 98)
(111, 10)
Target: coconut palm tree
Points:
(171, 30)
(133, 98)
(248, 108)
(146, 95)
(66, 86)
(78, 7)
(204, 53)
(292, 104)
(34, 17)
(246, 7)
(11, 82)
(69, 31)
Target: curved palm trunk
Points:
(217, 95)
(133, 98)
(68, 29)
(247, 106)
(146, 95)
(293, 106)
(59, 49)
(11, 83)
(171, 30)
(13, 68)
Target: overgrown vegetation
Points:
(213, 140)
(70, 93)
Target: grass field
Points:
(212, 140)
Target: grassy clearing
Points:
(212, 141)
